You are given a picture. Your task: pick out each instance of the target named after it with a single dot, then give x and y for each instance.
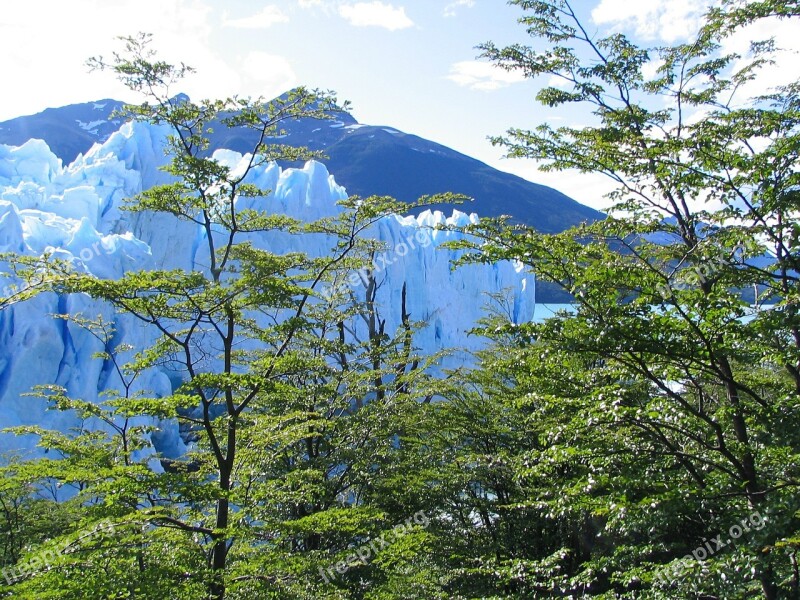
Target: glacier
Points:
(73, 212)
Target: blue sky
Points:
(410, 64)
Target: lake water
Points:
(542, 310)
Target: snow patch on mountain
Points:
(91, 126)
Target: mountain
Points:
(74, 213)
(365, 159)
(68, 130)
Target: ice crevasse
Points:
(73, 212)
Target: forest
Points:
(645, 444)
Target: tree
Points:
(26, 276)
(674, 415)
(289, 411)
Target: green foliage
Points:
(642, 445)
(289, 412)
(27, 276)
(663, 410)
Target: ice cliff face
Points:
(74, 213)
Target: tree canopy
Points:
(644, 444)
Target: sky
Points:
(409, 64)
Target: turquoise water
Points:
(543, 311)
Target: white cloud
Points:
(679, 20)
(667, 20)
(267, 75)
(558, 82)
(269, 15)
(651, 67)
(587, 188)
(451, 9)
(787, 58)
(482, 75)
(42, 76)
(375, 14)
(182, 31)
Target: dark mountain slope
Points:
(376, 160)
(68, 130)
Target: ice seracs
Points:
(73, 212)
